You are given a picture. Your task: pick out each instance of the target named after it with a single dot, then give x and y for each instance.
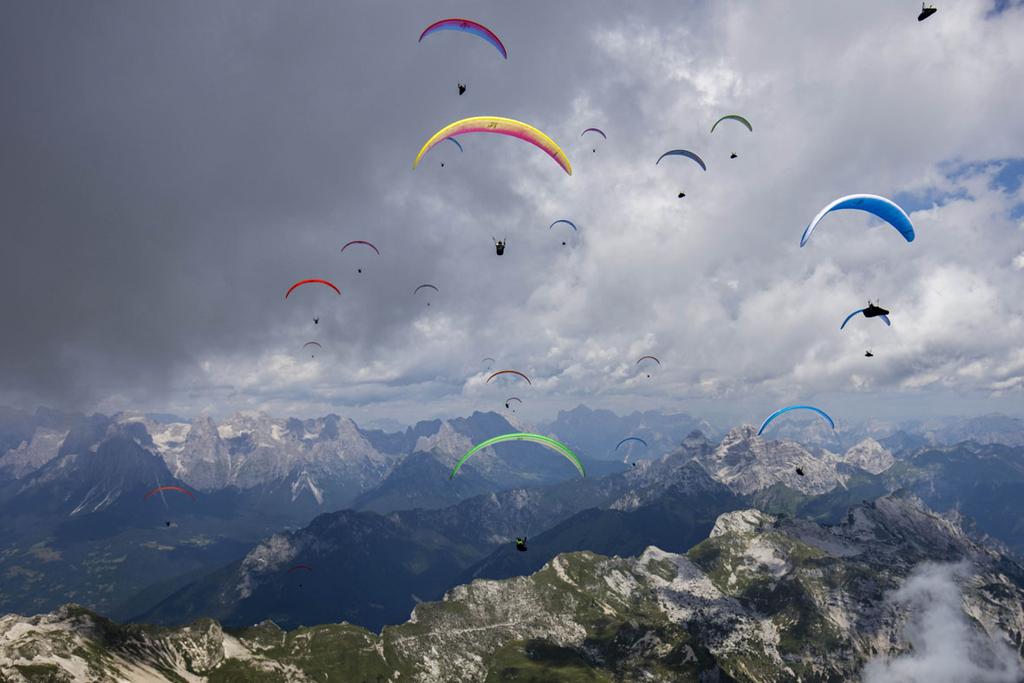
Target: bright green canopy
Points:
(553, 444)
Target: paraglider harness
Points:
(521, 544)
(499, 245)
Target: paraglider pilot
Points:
(499, 246)
(462, 89)
(521, 544)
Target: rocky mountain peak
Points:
(869, 455)
(742, 521)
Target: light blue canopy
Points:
(780, 411)
(682, 153)
(884, 318)
(630, 438)
(566, 221)
(886, 209)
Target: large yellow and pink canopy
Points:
(500, 126)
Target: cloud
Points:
(945, 647)
(167, 174)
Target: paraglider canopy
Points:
(509, 372)
(594, 130)
(882, 315)
(363, 242)
(300, 283)
(161, 489)
(546, 441)
(683, 153)
(498, 125)
(566, 221)
(733, 117)
(425, 286)
(781, 411)
(630, 438)
(466, 26)
(883, 208)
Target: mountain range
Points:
(761, 598)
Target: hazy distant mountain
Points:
(762, 599)
(595, 433)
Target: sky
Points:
(170, 169)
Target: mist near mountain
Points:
(944, 647)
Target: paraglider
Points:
(521, 544)
(456, 143)
(161, 489)
(643, 358)
(509, 372)
(683, 153)
(567, 222)
(498, 125)
(799, 471)
(499, 246)
(488, 359)
(312, 343)
(868, 354)
(462, 89)
(363, 242)
(681, 195)
(426, 286)
(300, 567)
(733, 117)
(466, 26)
(317, 281)
(780, 411)
(316, 321)
(733, 155)
(594, 130)
(881, 207)
(926, 12)
(509, 400)
(871, 311)
(546, 441)
(876, 311)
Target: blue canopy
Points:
(881, 207)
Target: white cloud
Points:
(945, 647)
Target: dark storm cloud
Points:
(169, 168)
